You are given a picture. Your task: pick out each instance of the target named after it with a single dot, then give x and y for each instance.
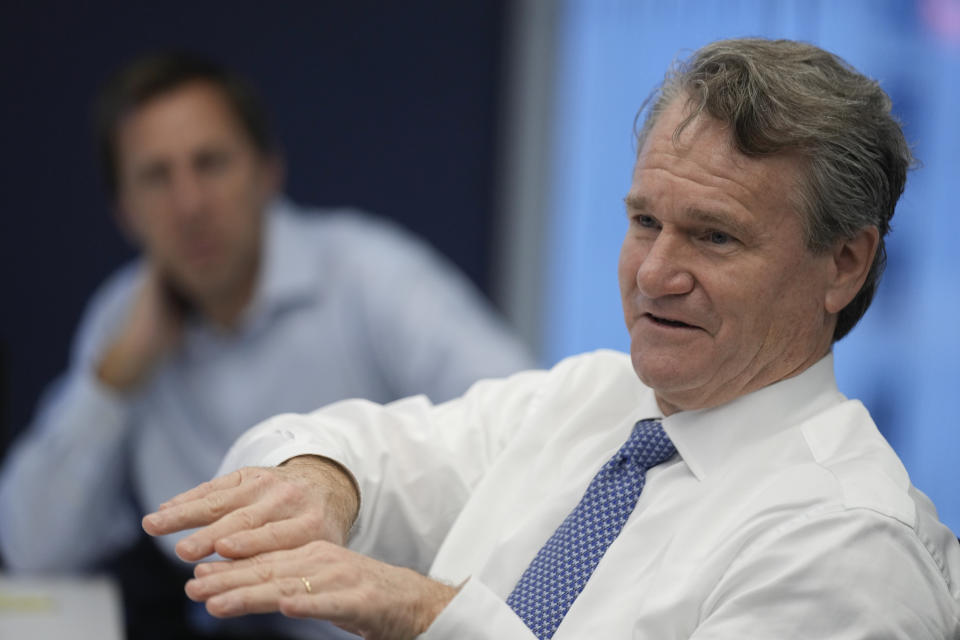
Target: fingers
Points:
(204, 569)
(277, 582)
(220, 483)
(241, 574)
(271, 536)
(318, 553)
(255, 585)
(325, 581)
(217, 536)
(286, 595)
(253, 598)
(331, 607)
(247, 532)
(196, 507)
(313, 559)
(251, 511)
(223, 507)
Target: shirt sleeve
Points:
(852, 574)
(415, 463)
(430, 330)
(63, 498)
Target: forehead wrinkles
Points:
(659, 181)
(704, 155)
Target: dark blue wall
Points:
(390, 106)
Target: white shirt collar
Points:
(706, 438)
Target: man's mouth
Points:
(669, 322)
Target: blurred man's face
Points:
(720, 294)
(192, 190)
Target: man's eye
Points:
(719, 237)
(212, 162)
(646, 221)
(153, 177)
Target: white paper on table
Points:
(45, 608)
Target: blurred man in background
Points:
(241, 306)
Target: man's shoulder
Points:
(356, 245)
(833, 475)
(337, 225)
(844, 442)
(607, 362)
(603, 373)
(852, 484)
(834, 461)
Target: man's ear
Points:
(851, 262)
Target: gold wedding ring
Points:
(306, 584)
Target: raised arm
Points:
(66, 474)
(281, 528)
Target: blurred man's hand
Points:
(153, 326)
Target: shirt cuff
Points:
(277, 439)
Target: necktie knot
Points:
(648, 444)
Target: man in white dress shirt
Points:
(766, 177)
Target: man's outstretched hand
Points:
(282, 530)
(259, 509)
(321, 580)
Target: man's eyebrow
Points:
(721, 220)
(150, 165)
(636, 202)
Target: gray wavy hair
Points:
(782, 96)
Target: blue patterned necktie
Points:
(557, 574)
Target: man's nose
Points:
(187, 194)
(664, 270)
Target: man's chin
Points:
(668, 376)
